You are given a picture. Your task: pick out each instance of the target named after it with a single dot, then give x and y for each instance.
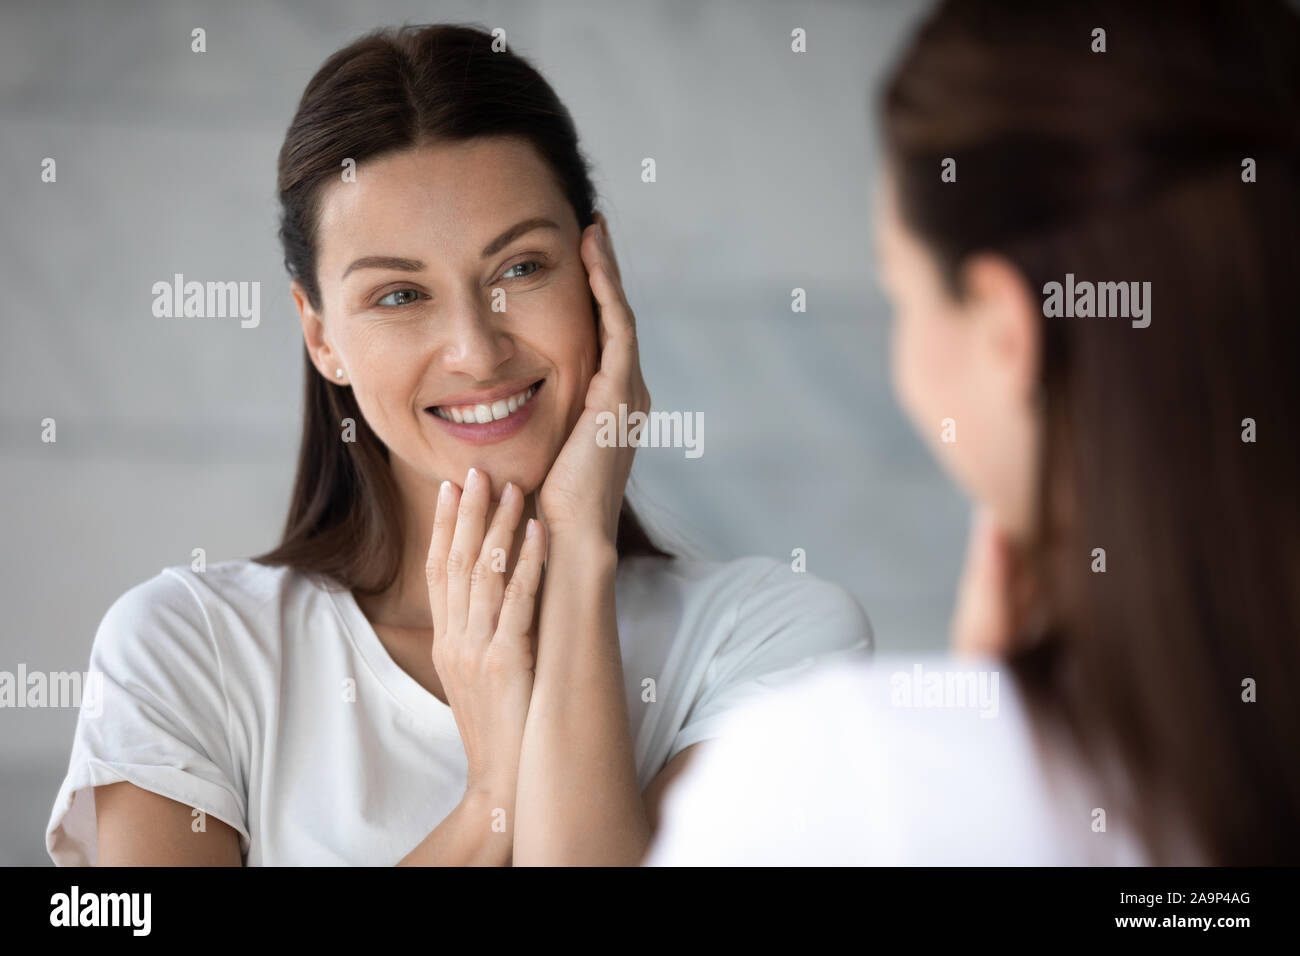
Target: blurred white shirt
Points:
(896, 761)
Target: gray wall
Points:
(175, 434)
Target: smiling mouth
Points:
(486, 412)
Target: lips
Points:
(515, 402)
(488, 409)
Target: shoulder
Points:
(230, 581)
(756, 590)
(895, 707)
(181, 609)
(872, 770)
(243, 582)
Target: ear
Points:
(322, 354)
(1007, 315)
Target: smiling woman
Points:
(397, 681)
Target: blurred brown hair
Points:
(1120, 166)
(392, 90)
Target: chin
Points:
(501, 464)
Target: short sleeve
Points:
(786, 624)
(154, 714)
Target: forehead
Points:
(450, 197)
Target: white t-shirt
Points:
(265, 699)
(882, 762)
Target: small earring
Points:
(338, 373)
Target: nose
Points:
(475, 340)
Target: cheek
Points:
(386, 361)
(390, 357)
(931, 371)
(563, 329)
(917, 366)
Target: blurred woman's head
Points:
(433, 198)
(1024, 148)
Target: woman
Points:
(398, 681)
(1132, 575)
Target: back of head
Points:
(1154, 143)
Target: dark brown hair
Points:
(1119, 166)
(389, 91)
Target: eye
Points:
(536, 267)
(400, 296)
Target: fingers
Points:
(516, 618)
(618, 349)
(435, 566)
(608, 245)
(466, 543)
(616, 316)
(487, 582)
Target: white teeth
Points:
(483, 413)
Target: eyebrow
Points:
(384, 262)
(514, 232)
(415, 265)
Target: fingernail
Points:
(530, 529)
(506, 490)
(444, 492)
(473, 473)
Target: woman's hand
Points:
(992, 596)
(583, 493)
(483, 645)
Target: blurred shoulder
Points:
(896, 704)
(892, 759)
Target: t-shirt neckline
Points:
(405, 688)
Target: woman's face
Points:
(452, 288)
(965, 370)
